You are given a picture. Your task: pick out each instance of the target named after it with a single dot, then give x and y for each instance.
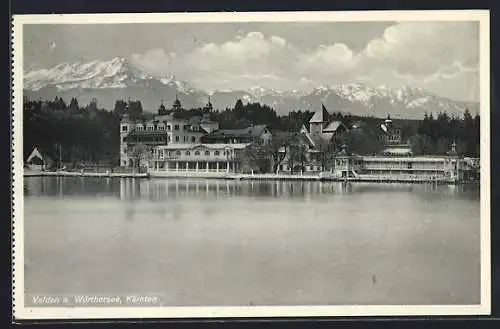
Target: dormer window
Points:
(124, 128)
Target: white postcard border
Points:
(21, 312)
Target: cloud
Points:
(439, 56)
(422, 48)
(249, 59)
(156, 61)
(254, 48)
(337, 57)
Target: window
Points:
(176, 138)
(168, 139)
(178, 153)
(197, 153)
(193, 139)
(169, 127)
(186, 127)
(176, 127)
(124, 128)
(217, 152)
(124, 139)
(169, 153)
(140, 128)
(188, 153)
(207, 152)
(161, 127)
(185, 138)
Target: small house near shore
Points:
(37, 162)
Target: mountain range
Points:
(119, 78)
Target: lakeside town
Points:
(175, 142)
(251, 165)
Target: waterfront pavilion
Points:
(198, 157)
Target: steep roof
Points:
(334, 126)
(35, 154)
(320, 116)
(252, 131)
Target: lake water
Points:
(197, 242)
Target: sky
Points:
(441, 57)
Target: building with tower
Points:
(167, 127)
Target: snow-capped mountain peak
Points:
(117, 72)
(119, 78)
(259, 91)
(114, 73)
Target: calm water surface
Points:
(201, 242)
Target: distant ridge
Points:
(119, 78)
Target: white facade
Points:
(197, 157)
(162, 130)
(429, 167)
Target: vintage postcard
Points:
(251, 164)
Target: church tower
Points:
(318, 121)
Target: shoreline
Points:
(84, 174)
(250, 177)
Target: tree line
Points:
(90, 134)
(436, 135)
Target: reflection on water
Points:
(161, 189)
(216, 242)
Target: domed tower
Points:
(162, 110)
(388, 121)
(177, 103)
(208, 107)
